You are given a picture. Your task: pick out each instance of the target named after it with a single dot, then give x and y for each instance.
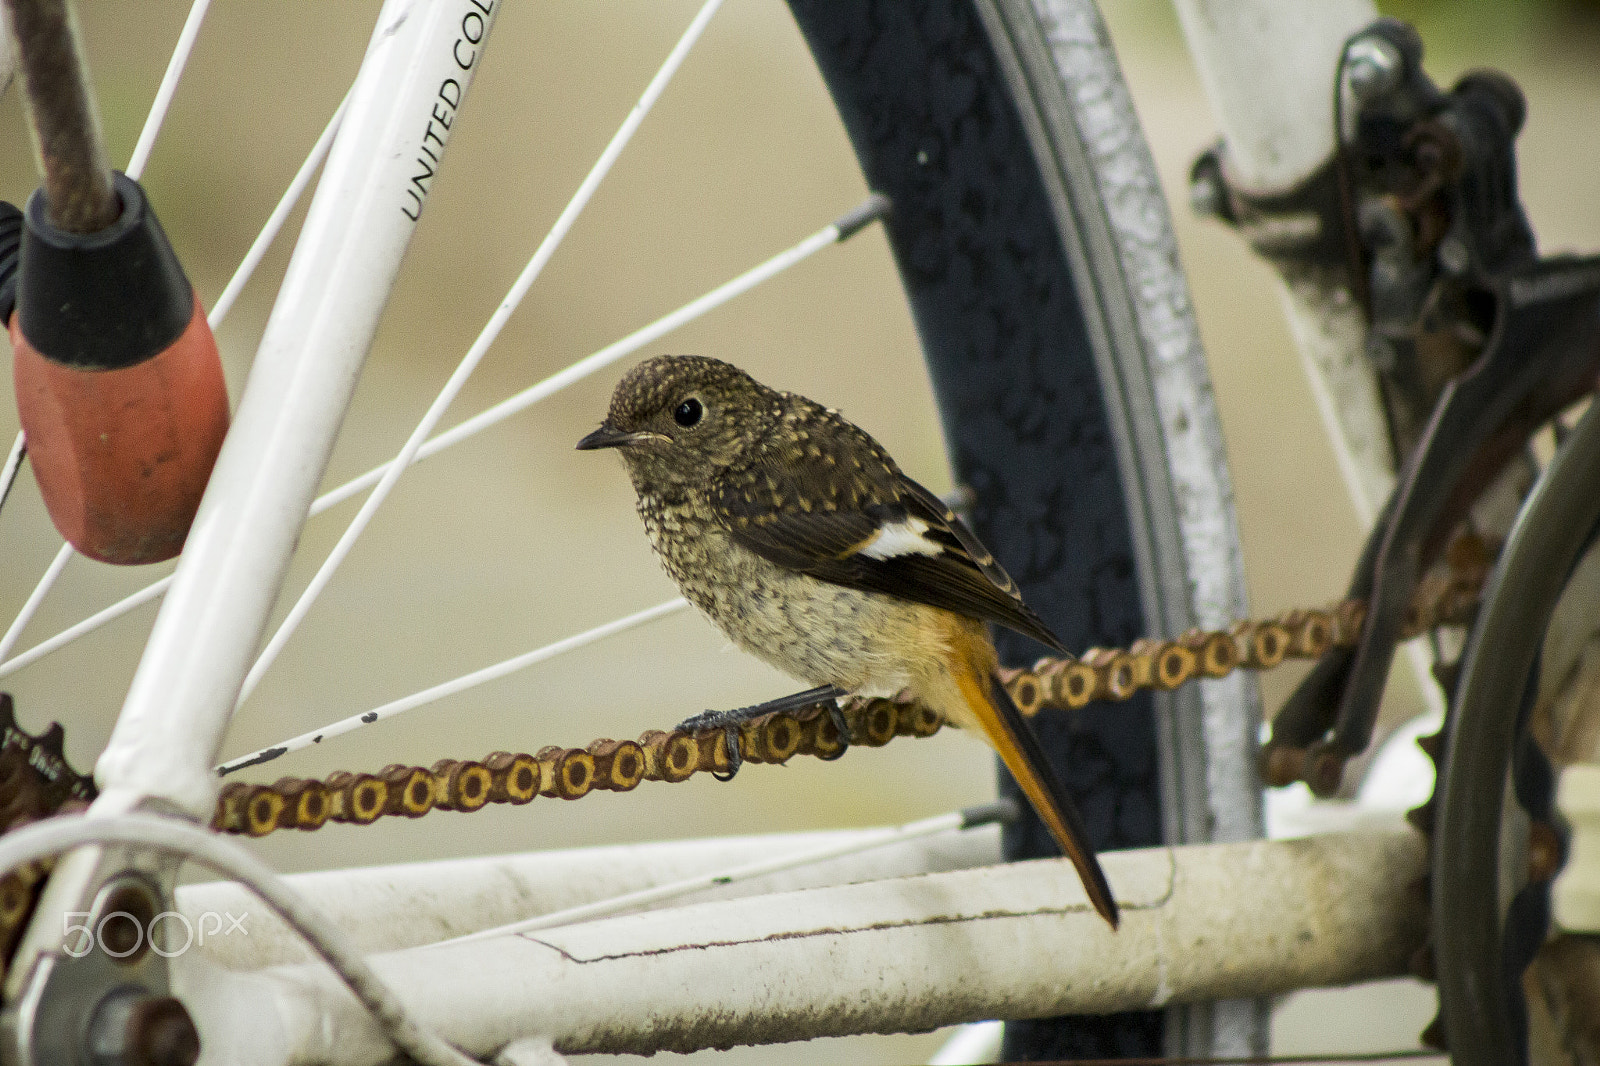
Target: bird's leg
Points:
(730, 721)
(709, 720)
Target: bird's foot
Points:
(729, 722)
(836, 715)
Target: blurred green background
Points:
(514, 540)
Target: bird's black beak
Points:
(607, 437)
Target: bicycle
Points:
(1166, 565)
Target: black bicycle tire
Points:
(1553, 531)
(1038, 260)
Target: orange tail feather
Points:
(1006, 730)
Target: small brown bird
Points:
(798, 536)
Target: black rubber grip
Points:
(10, 247)
(105, 300)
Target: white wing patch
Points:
(901, 538)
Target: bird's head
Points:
(676, 417)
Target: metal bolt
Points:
(1373, 67)
(130, 1027)
(1324, 769)
(1544, 852)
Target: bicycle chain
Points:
(36, 780)
(1448, 597)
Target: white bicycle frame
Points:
(420, 64)
(899, 952)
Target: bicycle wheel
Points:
(1036, 253)
(1041, 273)
(1524, 706)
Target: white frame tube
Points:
(1201, 922)
(1268, 69)
(386, 908)
(420, 64)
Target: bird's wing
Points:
(834, 506)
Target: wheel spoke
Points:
(845, 227)
(832, 233)
(85, 627)
(460, 684)
(167, 89)
(968, 818)
(35, 598)
(275, 221)
(480, 347)
(8, 474)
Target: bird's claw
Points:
(729, 722)
(730, 744)
(836, 715)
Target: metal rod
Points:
(1200, 923)
(386, 908)
(990, 814)
(456, 685)
(35, 598)
(63, 117)
(167, 89)
(356, 231)
(480, 347)
(8, 473)
(275, 221)
(826, 237)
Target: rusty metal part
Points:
(1563, 990)
(133, 1027)
(562, 773)
(1299, 748)
(1109, 674)
(66, 126)
(161, 1033)
(1475, 340)
(36, 781)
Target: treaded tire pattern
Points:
(1009, 354)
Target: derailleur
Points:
(1476, 340)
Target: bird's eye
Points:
(688, 413)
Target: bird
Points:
(795, 533)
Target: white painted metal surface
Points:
(1576, 893)
(152, 841)
(1199, 923)
(30, 607)
(757, 275)
(480, 347)
(167, 89)
(385, 908)
(1268, 69)
(462, 683)
(418, 67)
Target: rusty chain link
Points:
(1447, 596)
(36, 780)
